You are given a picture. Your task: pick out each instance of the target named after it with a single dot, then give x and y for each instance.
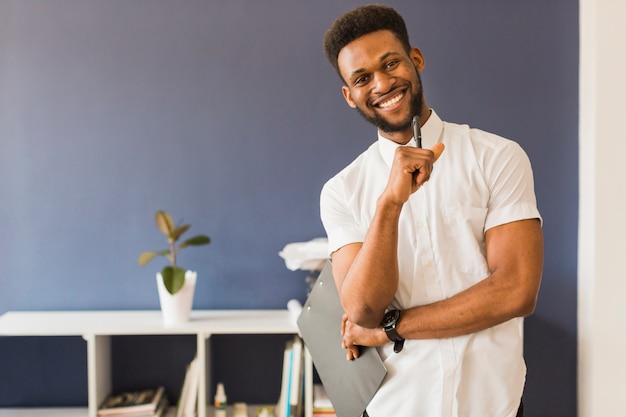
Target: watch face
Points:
(391, 317)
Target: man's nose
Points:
(383, 82)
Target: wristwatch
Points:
(390, 321)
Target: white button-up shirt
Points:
(480, 181)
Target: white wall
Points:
(602, 232)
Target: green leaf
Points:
(164, 222)
(146, 257)
(196, 241)
(179, 231)
(173, 278)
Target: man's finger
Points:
(437, 150)
(353, 353)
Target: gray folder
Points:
(350, 384)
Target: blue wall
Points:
(227, 115)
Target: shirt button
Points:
(428, 264)
(420, 225)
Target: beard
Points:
(416, 105)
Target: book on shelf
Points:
(161, 410)
(187, 405)
(322, 407)
(290, 403)
(297, 386)
(285, 380)
(187, 401)
(137, 402)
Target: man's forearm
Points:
(515, 257)
(515, 254)
(370, 281)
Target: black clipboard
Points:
(350, 384)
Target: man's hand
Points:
(355, 336)
(410, 170)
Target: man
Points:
(442, 245)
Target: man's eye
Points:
(391, 64)
(361, 80)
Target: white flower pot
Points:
(177, 308)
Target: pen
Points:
(417, 131)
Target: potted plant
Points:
(173, 275)
(175, 284)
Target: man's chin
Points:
(385, 125)
(394, 128)
(391, 127)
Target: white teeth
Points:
(391, 101)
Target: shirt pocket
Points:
(465, 235)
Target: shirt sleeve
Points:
(511, 187)
(338, 220)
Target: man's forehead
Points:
(368, 49)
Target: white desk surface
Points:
(44, 412)
(141, 322)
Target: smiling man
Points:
(437, 253)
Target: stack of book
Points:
(290, 403)
(322, 407)
(150, 402)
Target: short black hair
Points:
(359, 22)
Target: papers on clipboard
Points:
(350, 384)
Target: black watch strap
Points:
(390, 321)
(398, 345)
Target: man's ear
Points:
(418, 59)
(346, 94)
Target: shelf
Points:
(97, 327)
(83, 412)
(142, 322)
(44, 412)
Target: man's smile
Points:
(389, 102)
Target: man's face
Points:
(382, 81)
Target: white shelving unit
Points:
(97, 327)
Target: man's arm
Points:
(366, 273)
(515, 259)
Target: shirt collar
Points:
(431, 132)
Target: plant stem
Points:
(172, 253)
